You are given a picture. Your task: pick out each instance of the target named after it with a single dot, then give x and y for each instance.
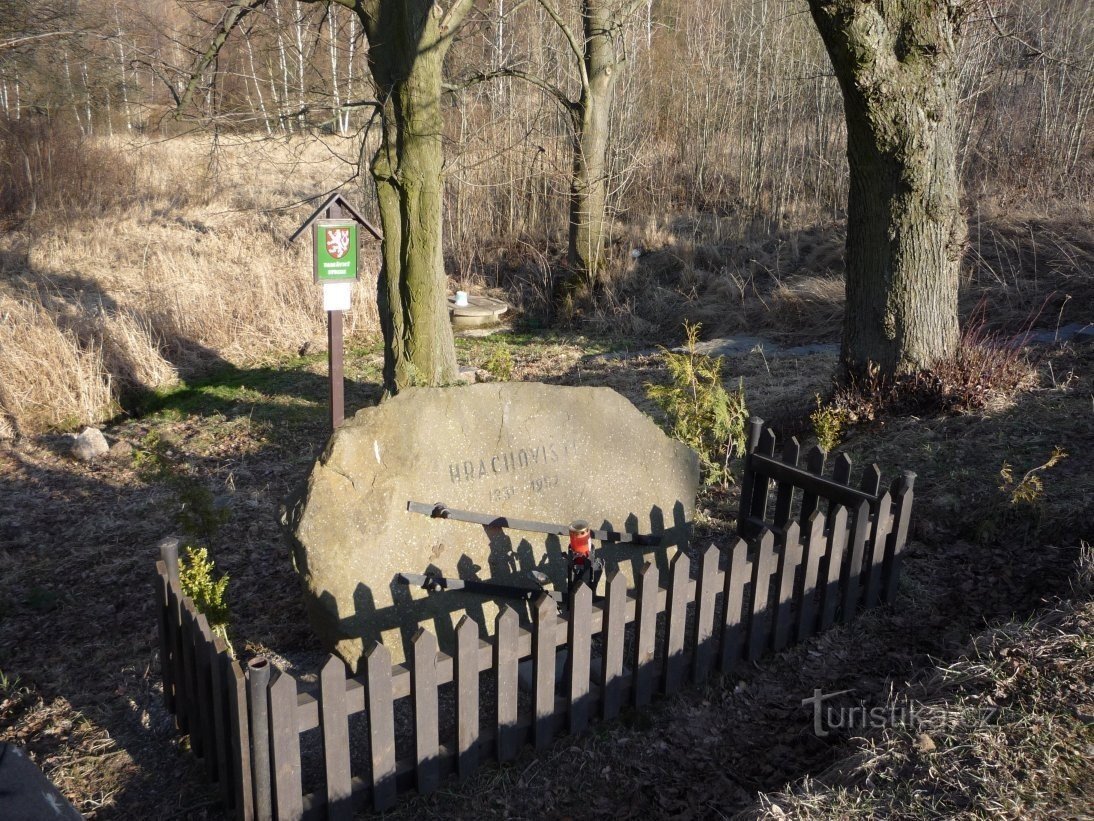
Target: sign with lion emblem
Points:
(335, 251)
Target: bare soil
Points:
(78, 661)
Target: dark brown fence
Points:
(827, 551)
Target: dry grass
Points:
(182, 277)
(1007, 731)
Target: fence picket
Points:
(285, 749)
(784, 494)
(645, 634)
(755, 428)
(814, 463)
(222, 724)
(467, 697)
(790, 558)
(814, 553)
(167, 662)
(506, 661)
(894, 545)
(761, 483)
(676, 610)
(423, 678)
(615, 613)
(203, 649)
(799, 576)
(871, 480)
(545, 618)
(830, 571)
(381, 723)
(187, 698)
(733, 617)
(762, 570)
(875, 553)
(705, 600)
(167, 573)
(580, 647)
(851, 577)
(841, 470)
(334, 725)
(194, 701)
(243, 796)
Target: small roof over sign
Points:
(340, 201)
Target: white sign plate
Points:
(337, 296)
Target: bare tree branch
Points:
(233, 16)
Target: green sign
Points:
(335, 251)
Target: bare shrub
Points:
(984, 374)
(46, 165)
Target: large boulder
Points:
(523, 450)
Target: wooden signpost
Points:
(335, 265)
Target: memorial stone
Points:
(523, 450)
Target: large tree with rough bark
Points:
(408, 41)
(896, 65)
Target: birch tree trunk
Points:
(336, 98)
(896, 66)
(258, 85)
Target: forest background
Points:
(726, 177)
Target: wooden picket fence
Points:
(817, 560)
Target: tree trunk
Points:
(407, 48)
(895, 62)
(589, 184)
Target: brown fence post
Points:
(851, 578)
(218, 650)
(243, 787)
(544, 623)
(467, 697)
(829, 581)
(645, 633)
(203, 641)
(579, 640)
(614, 629)
(705, 599)
(875, 554)
(506, 660)
(755, 427)
(733, 604)
(381, 723)
(761, 485)
(894, 545)
(814, 463)
(762, 617)
(258, 680)
(790, 558)
(285, 748)
(814, 553)
(784, 493)
(423, 682)
(334, 723)
(190, 676)
(169, 557)
(676, 614)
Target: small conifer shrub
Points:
(197, 576)
(701, 412)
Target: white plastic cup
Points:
(461, 299)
